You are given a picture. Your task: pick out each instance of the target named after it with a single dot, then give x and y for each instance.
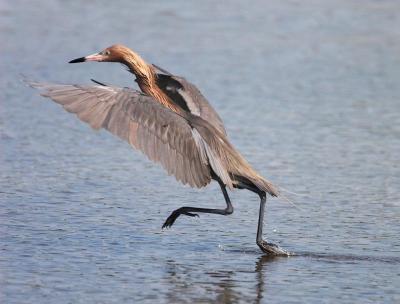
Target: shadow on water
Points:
(346, 258)
(265, 260)
(327, 257)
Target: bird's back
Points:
(187, 96)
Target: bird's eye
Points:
(107, 52)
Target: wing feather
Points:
(161, 134)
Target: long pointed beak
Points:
(93, 57)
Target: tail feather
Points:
(266, 186)
(259, 183)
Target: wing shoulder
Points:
(188, 96)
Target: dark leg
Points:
(268, 248)
(263, 200)
(188, 210)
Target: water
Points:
(309, 92)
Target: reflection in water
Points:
(260, 265)
(185, 283)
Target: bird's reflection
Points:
(189, 283)
(261, 268)
(185, 283)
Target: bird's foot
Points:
(174, 215)
(272, 249)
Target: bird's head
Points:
(122, 54)
(114, 53)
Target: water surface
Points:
(309, 92)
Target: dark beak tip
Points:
(81, 59)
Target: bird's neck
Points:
(149, 86)
(146, 78)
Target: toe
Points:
(272, 249)
(169, 221)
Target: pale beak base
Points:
(93, 57)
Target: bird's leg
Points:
(188, 210)
(264, 246)
(268, 248)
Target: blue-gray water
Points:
(310, 94)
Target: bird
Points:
(172, 123)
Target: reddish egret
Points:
(172, 123)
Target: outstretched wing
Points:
(188, 97)
(161, 134)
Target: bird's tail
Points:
(266, 186)
(254, 180)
